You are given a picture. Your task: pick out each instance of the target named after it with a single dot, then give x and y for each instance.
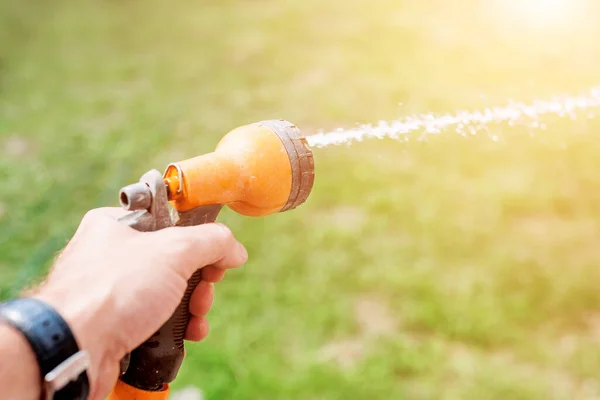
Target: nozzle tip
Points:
(301, 160)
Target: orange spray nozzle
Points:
(256, 170)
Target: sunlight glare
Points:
(538, 13)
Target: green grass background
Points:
(452, 268)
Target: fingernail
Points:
(243, 252)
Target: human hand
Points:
(116, 286)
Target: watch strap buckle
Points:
(67, 371)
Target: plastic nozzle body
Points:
(256, 170)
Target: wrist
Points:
(63, 367)
(20, 379)
(88, 327)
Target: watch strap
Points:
(54, 346)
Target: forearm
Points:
(19, 372)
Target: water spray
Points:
(464, 122)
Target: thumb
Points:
(198, 246)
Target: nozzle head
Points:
(301, 160)
(256, 170)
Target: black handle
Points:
(157, 361)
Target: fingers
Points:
(212, 273)
(197, 329)
(202, 299)
(238, 257)
(202, 245)
(200, 303)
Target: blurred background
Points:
(452, 268)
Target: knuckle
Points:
(225, 239)
(97, 215)
(181, 243)
(90, 219)
(90, 215)
(225, 234)
(174, 245)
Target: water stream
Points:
(465, 122)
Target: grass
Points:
(456, 268)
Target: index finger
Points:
(213, 274)
(202, 245)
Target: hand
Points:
(116, 286)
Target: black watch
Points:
(62, 364)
